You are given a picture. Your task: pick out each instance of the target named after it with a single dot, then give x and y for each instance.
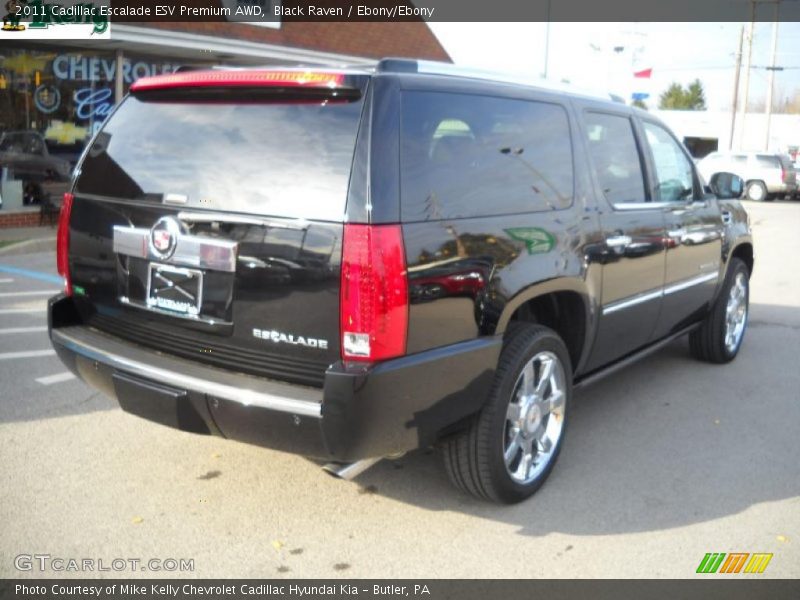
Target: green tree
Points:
(695, 96)
(672, 97)
(639, 104)
(676, 97)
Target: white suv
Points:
(765, 175)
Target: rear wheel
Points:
(756, 191)
(720, 336)
(510, 448)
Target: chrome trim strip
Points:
(687, 283)
(190, 251)
(247, 397)
(642, 205)
(652, 295)
(130, 241)
(631, 301)
(219, 217)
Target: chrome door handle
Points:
(619, 241)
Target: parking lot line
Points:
(20, 311)
(7, 280)
(31, 274)
(36, 293)
(28, 354)
(57, 378)
(10, 330)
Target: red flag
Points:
(643, 74)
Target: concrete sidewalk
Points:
(25, 240)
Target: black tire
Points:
(708, 342)
(475, 458)
(756, 191)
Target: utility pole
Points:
(748, 65)
(547, 40)
(772, 69)
(734, 103)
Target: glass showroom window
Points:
(52, 99)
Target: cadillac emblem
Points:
(164, 237)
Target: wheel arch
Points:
(564, 305)
(744, 251)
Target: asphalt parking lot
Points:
(663, 463)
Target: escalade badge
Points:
(279, 337)
(164, 236)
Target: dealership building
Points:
(706, 131)
(55, 94)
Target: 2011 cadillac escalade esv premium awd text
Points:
(353, 264)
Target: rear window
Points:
(468, 156)
(768, 161)
(286, 158)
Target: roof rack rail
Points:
(429, 67)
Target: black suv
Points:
(354, 264)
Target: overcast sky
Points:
(583, 53)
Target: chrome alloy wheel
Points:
(736, 313)
(535, 418)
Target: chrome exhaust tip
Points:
(349, 471)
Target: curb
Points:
(29, 247)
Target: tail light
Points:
(784, 175)
(62, 242)
(374, 293)
(243, 78)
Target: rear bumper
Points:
(361, 412)
(782, 188)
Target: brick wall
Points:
(19, 219)
(412, 39)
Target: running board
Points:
(631, 358)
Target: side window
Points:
(12, 143)
(469, 156)
(34, 145)
(765, 161)
(673, 170)
(615, 158)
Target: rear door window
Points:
(767, 161)
(469, 156)
(615, 157)
(282, 158)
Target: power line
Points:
(724, 67)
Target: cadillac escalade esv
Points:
(353, 264)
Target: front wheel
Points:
(510, 448)
(756, 191)
(720, 336)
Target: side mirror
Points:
(726, 186)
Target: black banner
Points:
(712, 588)
(288, 11)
